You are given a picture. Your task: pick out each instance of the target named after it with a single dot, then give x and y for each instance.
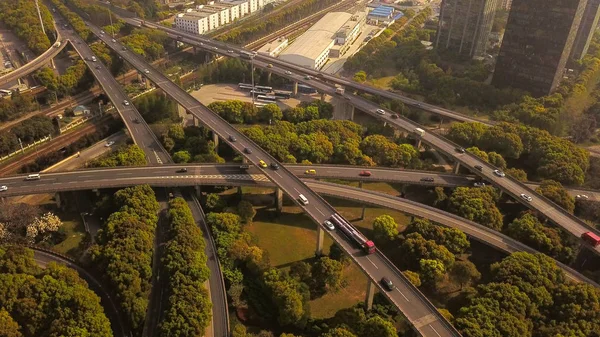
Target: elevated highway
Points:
(231, 175)
(424, 316)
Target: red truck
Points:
(591, 238)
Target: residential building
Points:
(221, 11)
(332, 34)
(205, 18)
(505, 4)
(193, 22)
(537, 43)
(586, 30)
(465, 25)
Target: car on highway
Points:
(33, 176)
(380, 111)
(3, 188)
(329, 225)
(215, 48)
(287, 72)
(269, 65)
(244, 166)
(232, 138)
(395, 116)
(526, 197)
(347, 98)
(460, 150)
(146, 71)
(109, 143)
(247, 150)
(478, 167)
(230, 51)
(262, 163)
(98, 67)
(311, 172)
(365, 173)
(429, 179)
(114, 41)
(419, 105)
(275, 166)
(308, 77)
(124, 49)
(202, 44)
(478, 184)
(582, 196)
(499, 173)
(125, 102)
(101, 32)
(388, 284)
(182, 170)
(303, 199)
(136, 121)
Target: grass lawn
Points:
(75, 233)
(291, 237)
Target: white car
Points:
(381, 111)
(329, 225)
(477, 184)
(526, 197)
(287, 72)
(582, 196)
(125, 102)
(109, 144)
(146, 71)
(230, 51)
(3, 188)
(114, 41)
(499, 173)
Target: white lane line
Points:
(295, 189)
(372, 263)
(277, 173)
(318, 210)
(407, 300)
(434, 330)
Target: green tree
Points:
(8, 327)
(431, 270)
(477, 204)
(529, 230)
(416, 248)
(412, 277)
(518, 174)
(181, 157)
(214, 202)
(464, 272)
(454, 239)
(385, 228)
(387, 153)
(270, 112)
(131, 155)
(246, 211)
(287, 294)
(466, 134)
(360, 77)
(554, 191)
(338, 332)
(327, 274)
(378, 326)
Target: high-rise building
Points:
(465, 26)
(505, 4)
(586, 29)
(537, 43)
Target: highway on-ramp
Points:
(227, 174)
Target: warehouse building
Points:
(332, 35)
(381, 14)
(274, 48)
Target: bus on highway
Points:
(305, 89)
(351, 233)
(591, 238)
(247, 55)
(282, 94)
(266, 98)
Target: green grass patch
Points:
(74, 235)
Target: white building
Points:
(193, 22)
(312, 49)
(222, 12)
(215, 14)
(274, 48)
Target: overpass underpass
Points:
(230, 175)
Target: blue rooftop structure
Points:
(398, 16)
(381, 12)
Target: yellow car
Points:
(262, 163)
(312, 172)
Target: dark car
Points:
(244, 166)
(388, 284)
(430, 179)
(460, 149)
(232, 138)
(247, 150)
(275, 166)
(479, 167)
(395, 116)
(182, 170)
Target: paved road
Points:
(232, 175)
(43, 257)
(509, 185)
(415, 306)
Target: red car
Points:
(365, 173)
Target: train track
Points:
(296, 26)
(55, 144)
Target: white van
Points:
(303, 199)
(35, 176)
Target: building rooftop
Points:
(193, 15)
(269, 47)
(384, 11)
(312, 43)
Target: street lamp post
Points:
(252, 70)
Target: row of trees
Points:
(147, 42)
(540, 154)
(53, 301)
(189, 144)
(74, 19)
(27, 131)
(78, 77)
(188, 311)
(17, 105)
(130, 155)
(21, 17)
(123, 253)
(238, 112)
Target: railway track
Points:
(11, 167)
(296, 26)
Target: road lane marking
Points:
(434, 330)
(318, 210)
(372, 263)
(407, 300)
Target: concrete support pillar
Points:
(57, 199)
(320, 239)
(148, 85)
(412, 218)
(278, 199)
(295, 89)
(245, 160)
(52, 64)
(195, 50)
(140, 77)
(269, 74)
(351, 112)
(456, 168)
(215, 139)
(323, 95)
(198, 191)
(441, 122)
(207, 58)
(362, 214)
(370, 294)
(96, 191)
(181, 112)
(240, 192)
(419, 143)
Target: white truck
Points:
(339, 91)
(57, 44)
(420, 132)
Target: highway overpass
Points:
(232, 175)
